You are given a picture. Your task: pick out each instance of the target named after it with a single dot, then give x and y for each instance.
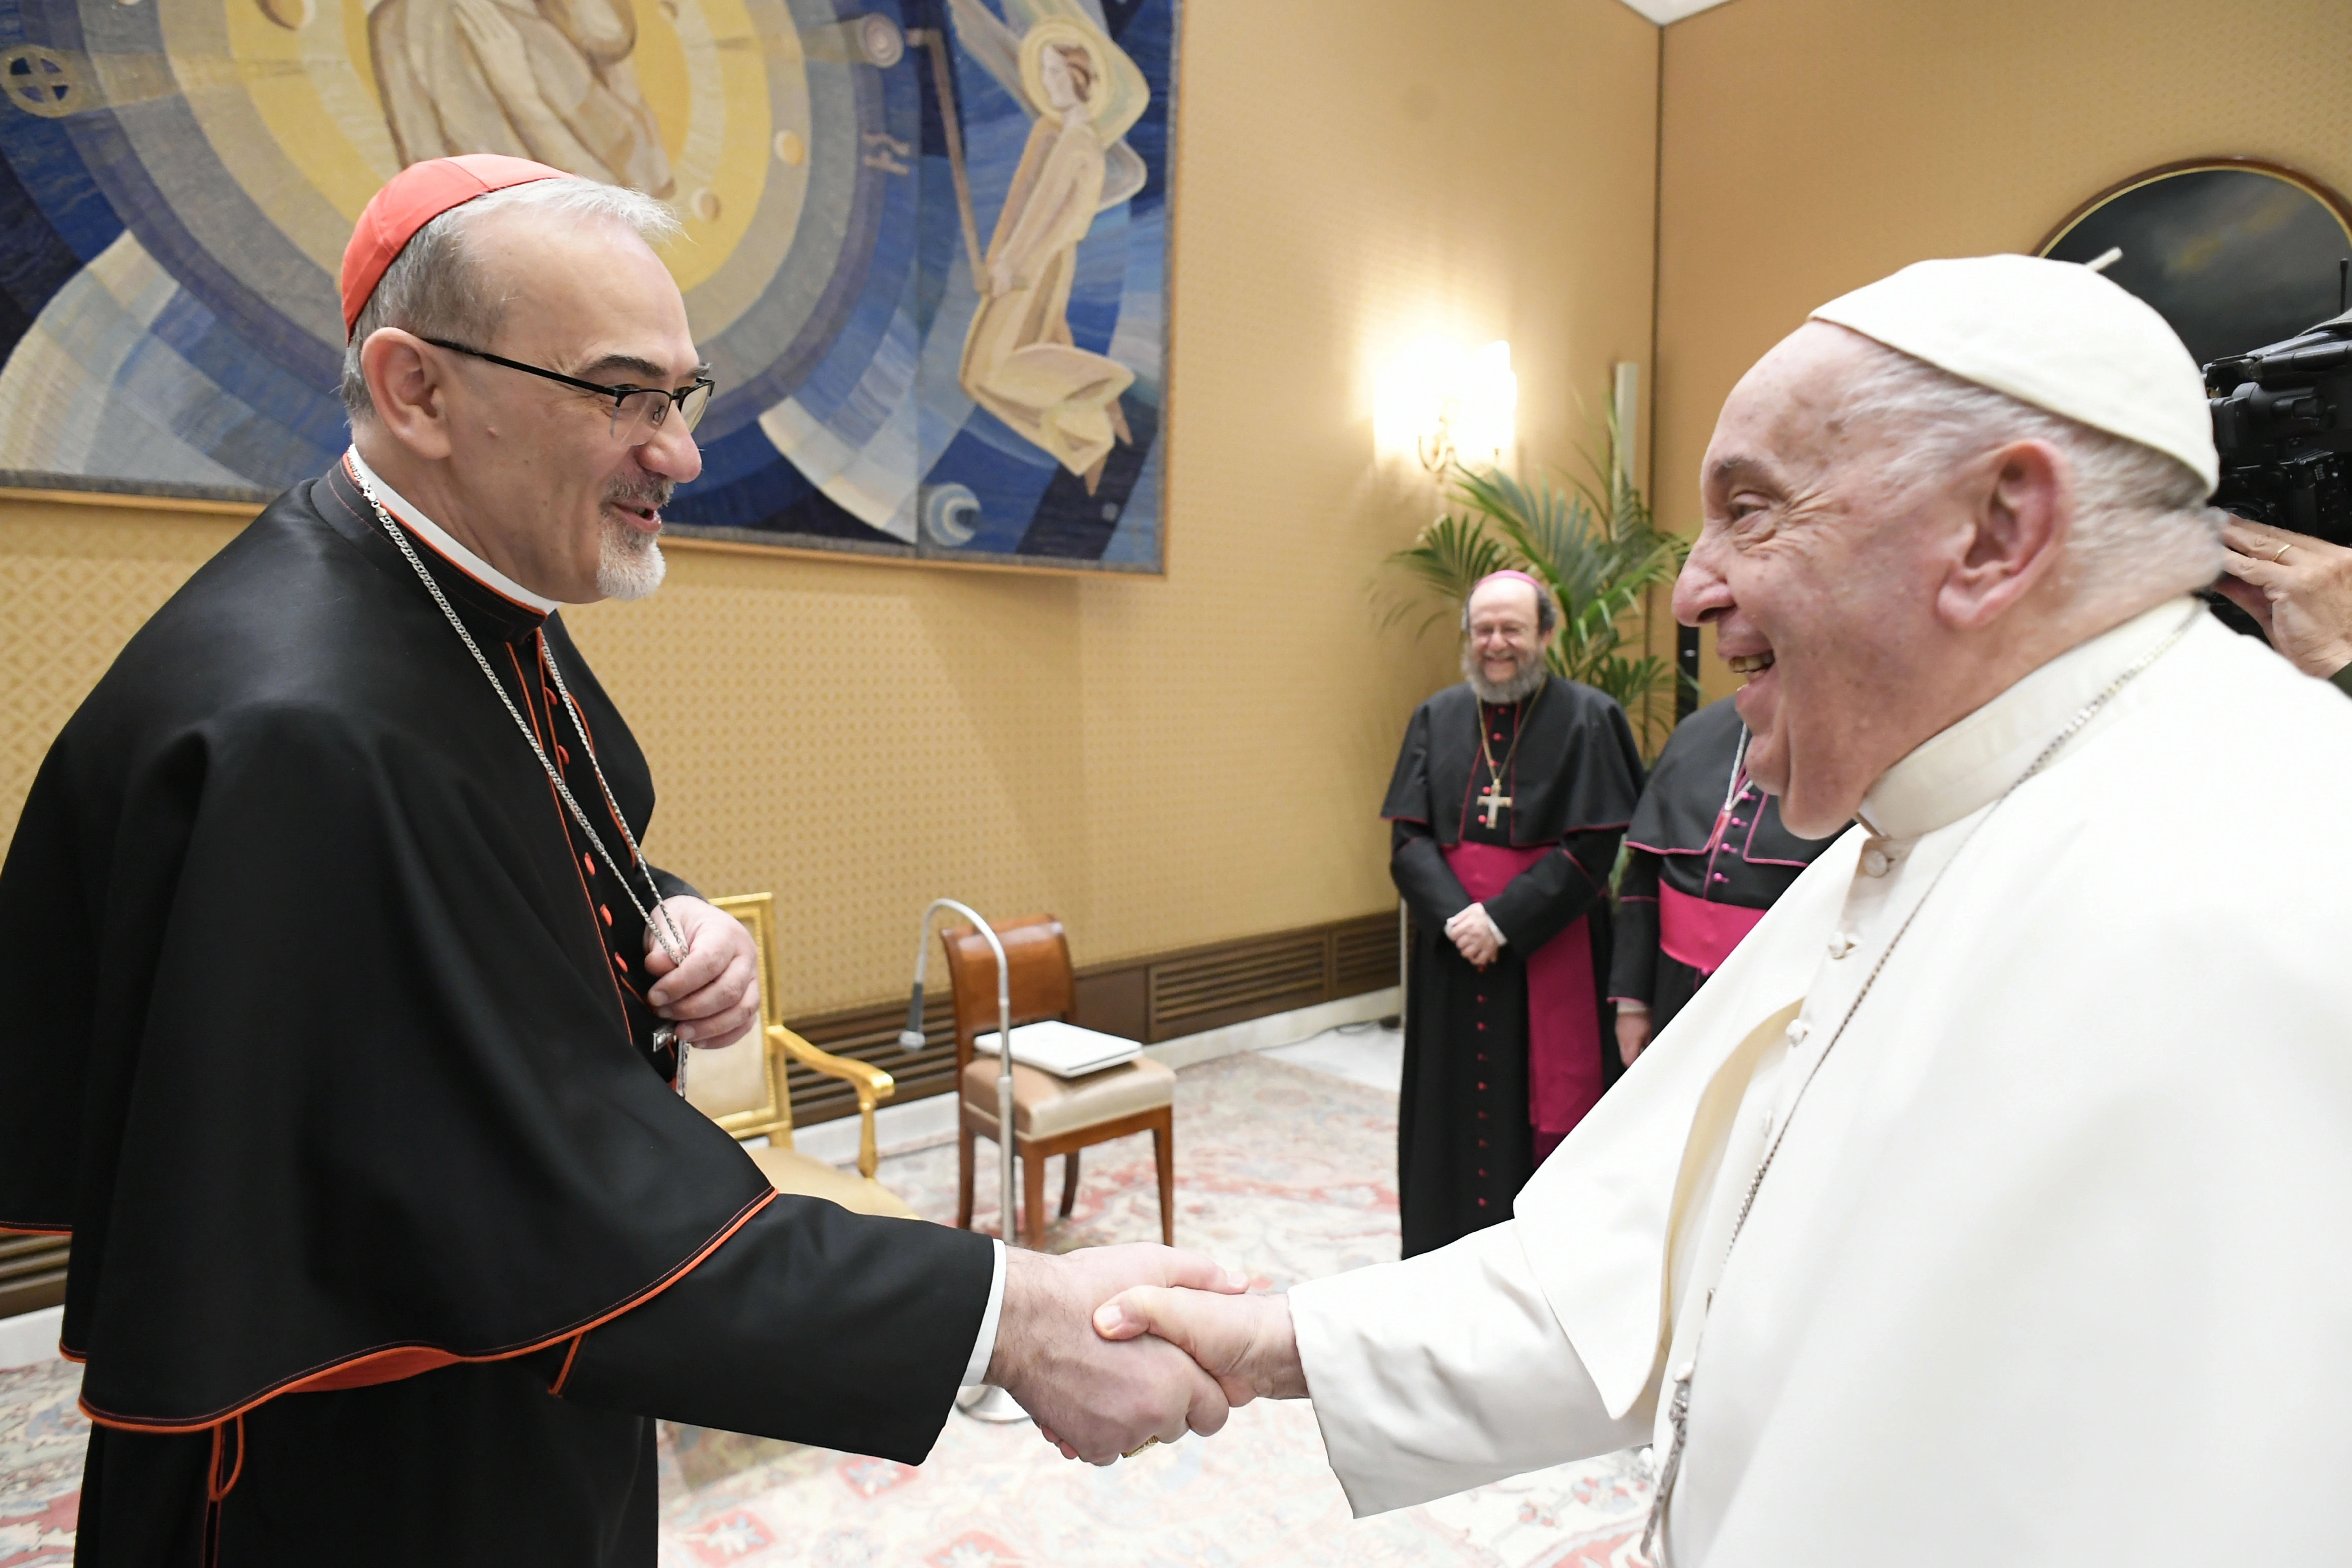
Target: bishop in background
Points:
(1707, 854)
(1509, 795)
(1987, 1205)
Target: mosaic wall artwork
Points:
(926, 241)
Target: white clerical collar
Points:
(1968, 766)
(434, 534)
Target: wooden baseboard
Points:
(32, 1273)
(1148, 999)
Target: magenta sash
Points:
(1699, 933)
(1563, 1019)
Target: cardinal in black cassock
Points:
(1501, 1063)
(322, 1052)
(1706, 856)
(327, 1044)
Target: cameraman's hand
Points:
(2298, 587)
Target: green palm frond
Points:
(1627, 510)
(1446, 559)
(1592, 541)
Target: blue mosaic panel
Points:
(926, 248)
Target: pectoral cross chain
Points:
(1492, 800)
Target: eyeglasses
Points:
(637, 411)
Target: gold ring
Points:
(2281, 553)
(1132, 1453)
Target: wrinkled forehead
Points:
(1793, 413)
(1505, 597)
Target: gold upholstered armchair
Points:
(742, 1087)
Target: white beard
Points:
(628, 566)
(1502, 693)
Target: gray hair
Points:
(1547, 613)
(2140, 516)
(435, 288)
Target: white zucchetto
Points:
(2051, 334)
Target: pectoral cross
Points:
(1494, 800)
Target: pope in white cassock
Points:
(1993, 1203)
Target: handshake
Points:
(1117, 1346)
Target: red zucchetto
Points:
(415, 197)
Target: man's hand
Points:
(1633, 1034)
(2298, 587)
(1476, 935)
(1246, 1342)
(1093, 1398)
(714, 995)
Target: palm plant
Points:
(1595, 545)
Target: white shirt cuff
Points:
(984, 1349)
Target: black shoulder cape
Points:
(1576, 769)
(316, 1043)
(1677, 812)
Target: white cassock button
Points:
(1796, 1033)
(1841, 944)
(1874, 862)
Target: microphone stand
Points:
(987, 1402)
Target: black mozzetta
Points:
(329, 1050)
(1699, 839)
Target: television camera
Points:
(2283, 424)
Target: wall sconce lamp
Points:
(1445, 404)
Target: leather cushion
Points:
(790, 1171)
(1045, 1106)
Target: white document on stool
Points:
(1062, 1050)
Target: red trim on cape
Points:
(564, 1374)
(395, 1361)
(215, 1489)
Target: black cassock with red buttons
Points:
(1465, 1144)
(1673, 848)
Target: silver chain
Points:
(657, 918)
(1678, 1406)
(1735, 786)
(672, 941)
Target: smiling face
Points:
(1504, 643)
(1821, 577)
(535, 472)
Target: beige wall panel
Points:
(1811, 146)
(76, 580)
(1162, 762)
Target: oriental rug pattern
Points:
(42, 1434)
(1283, 1172)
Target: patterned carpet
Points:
(1281, 1170)
(41, 1438)
(1285, 1173)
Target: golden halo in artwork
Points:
(1118, 94)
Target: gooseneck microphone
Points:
(987, 1403)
